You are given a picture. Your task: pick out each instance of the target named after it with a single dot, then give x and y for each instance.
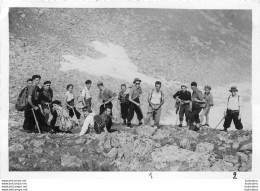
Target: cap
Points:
(136, 79)
(193, 84)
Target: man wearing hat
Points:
(46, 95)
(183, 98)
(134, 103)
(106, 96)
(209, 103)
(233, 111)
(198, 102)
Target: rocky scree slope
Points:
(140, 149)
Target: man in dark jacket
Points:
(33, 102)
(197, 99)
(183, 97)
(46, 95)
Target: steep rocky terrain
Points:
(211, 47)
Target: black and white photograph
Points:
(127, 89)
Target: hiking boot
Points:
(191, 127)
(140, 123)
(225, 129)
(129, 125)
(180, 125)
(207, 125)
(124, 122)
(196, 128)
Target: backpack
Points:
(237, 98)
(99, 124)
(22, 100)
(63, 120)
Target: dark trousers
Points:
(71, 113)
(124, 110)
(102, 107)
(184, 109)
(29, 121)
(194, 116)
(134, 108)
(232, 115)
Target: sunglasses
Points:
(137, 83)
(48, 85)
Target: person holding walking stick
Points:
(155, 100)
(183, 99)
(135, 103)
(70, 103)
(33, 116)
(233, 110)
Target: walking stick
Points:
(37, 124)
(219, 123)
(177, 115)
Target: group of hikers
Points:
(42, 113)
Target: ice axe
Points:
(37, 124)
(219, 123)
(177, 115)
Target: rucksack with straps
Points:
(63, 119)
(237, 98)
(99, 124)
(152, 94)
(22, 100)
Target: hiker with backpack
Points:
(22, 97)
(60, 120)
(86, 95)
(70, 103)
(32, 114)
(183, 99)
(106, 96)
(155, 100)
(209, 103)
(233, 110)
(198, 102)
(135, 103)
(123, 102)
(46, 95)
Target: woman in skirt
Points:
(69, 102)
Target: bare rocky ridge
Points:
(161, 43)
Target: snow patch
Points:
(116, 63)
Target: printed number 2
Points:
(234, 175)
(151, 175)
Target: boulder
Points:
(161, 134)
(16, 148)
(147, 130)
(231, 159)
(80, 141)
(222, 136)
(243, 157)
(113, 153)
(204, 147)
(247, 147)
(37, 143)
(235, 145)
(181, 158)
(222, 165)
(70, 161)
(38, 150)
